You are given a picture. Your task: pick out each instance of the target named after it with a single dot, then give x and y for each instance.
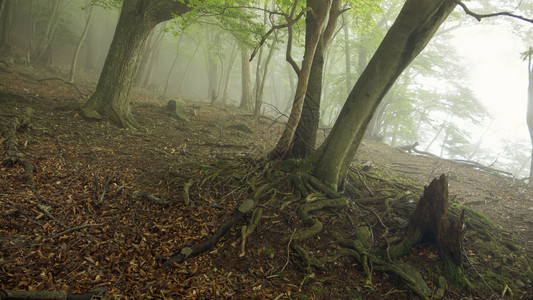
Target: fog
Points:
(193, 64)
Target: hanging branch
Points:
(478, 17)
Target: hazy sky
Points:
(497, 76)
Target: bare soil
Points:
(86, 173)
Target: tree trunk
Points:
(153, 58)
(137, 19)
(43, 51)
(246, 79)
(261, 83)
(231, 63)
(413, 29)
(172, 66)
(187, 68)
(33, 23)
(304, 139)
(530, 109)
(80, 42)
(347, 56)
(315, 21)
(430, 222)
(7, 20)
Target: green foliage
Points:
(231, 16)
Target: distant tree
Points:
(528, 55)
(89, 15)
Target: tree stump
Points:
(430, 223)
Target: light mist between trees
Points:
(311, 30)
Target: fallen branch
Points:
(151, 197)
(190, 251)
(71, 230)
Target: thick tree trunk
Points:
(80, 42)
(413, 29)
(246, 79)
(315, 21)
(304, 139)
(137, 19)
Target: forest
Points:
(231, 149)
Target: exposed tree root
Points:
(246, 230)
(309, 200)
(14, 156)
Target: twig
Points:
(104, 188)
(45, 211)
(478, 17)
(71, 230)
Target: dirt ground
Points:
(87, 172)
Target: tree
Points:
(136, 21)
(80, 42)
(304, 139)
(528, 54)
(413, 29)
(314, 24)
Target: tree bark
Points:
(530, 109)
(137, 19)
(315, 20)
(413, 29)
(430, 222)
(304, 139)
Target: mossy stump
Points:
(430, 223)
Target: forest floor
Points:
(88, 173)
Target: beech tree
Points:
(413, 29)
(136, 21)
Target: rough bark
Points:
(413, 29)
(137, 19)
(315, 20)
(430, 222)
(304, 140)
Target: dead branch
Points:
(71, 230)
(478, 17)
